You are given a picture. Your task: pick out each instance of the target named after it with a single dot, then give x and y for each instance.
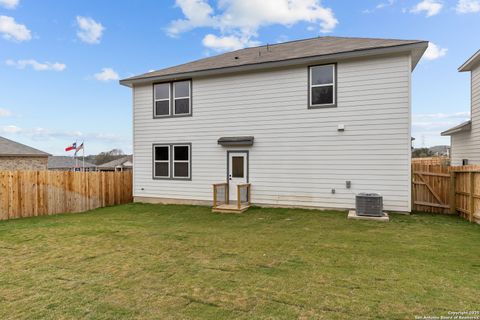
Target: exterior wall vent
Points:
(369, 204)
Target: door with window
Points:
(237, 171)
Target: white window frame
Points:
(169, 100)
(155, 161)
(181, 161)
(333, 84)
(189, 97)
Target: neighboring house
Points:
(440, 151)
(308, 123)
(465, 138)
(17, 156)
(65, 163)
(121, 164)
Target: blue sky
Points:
(60, 60)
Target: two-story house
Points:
(306, 123)
(465, 138)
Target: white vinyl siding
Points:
(466, 145)
(298, 156)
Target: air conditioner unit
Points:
(369, 204)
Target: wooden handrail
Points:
(243, 184)
(247, 186)
(219, 184)
(215, 193)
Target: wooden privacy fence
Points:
(443, 189)
(431, 188)
(39, 193)
(444, 161)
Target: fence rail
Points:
(443, 189)
(38, 193)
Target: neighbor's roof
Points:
(466, 126)
(64, 162)
(115, 163)
(293, 52)
(9, 148)
(472, 62)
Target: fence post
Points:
(214, 196)
(412, 188)
(472, 199)
(238, 197)
(453, 202)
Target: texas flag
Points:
(80, 147)
(72, 147)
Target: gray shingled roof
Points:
(10, 148)
(471, 63)
(314, 47)
(465, 126)
(64, 162)
(114, 163)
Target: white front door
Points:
(237, 171)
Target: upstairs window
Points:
(181, 97)
(322, 88)
(172, 99)
(162, 99)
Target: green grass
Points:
(184, 262)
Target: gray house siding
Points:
(466, 145)
(298, 155)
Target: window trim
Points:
(171, 161)
(154, 161)
(186, 97)
(310, 86)
(171, 106)
(181, 161)
(169, 99)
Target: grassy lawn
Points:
(184, 262)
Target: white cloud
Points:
(10, 129)
(468, 6)
(434, 52)
(381, 5)
(89, 31)
(426, 127)
(35, 65)
(239, 20)
(11, 30)
(198, 13)
(9, 4)
(227, 43)
(107, 74)
(5, 113)
(42, 134)
(430, 7)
